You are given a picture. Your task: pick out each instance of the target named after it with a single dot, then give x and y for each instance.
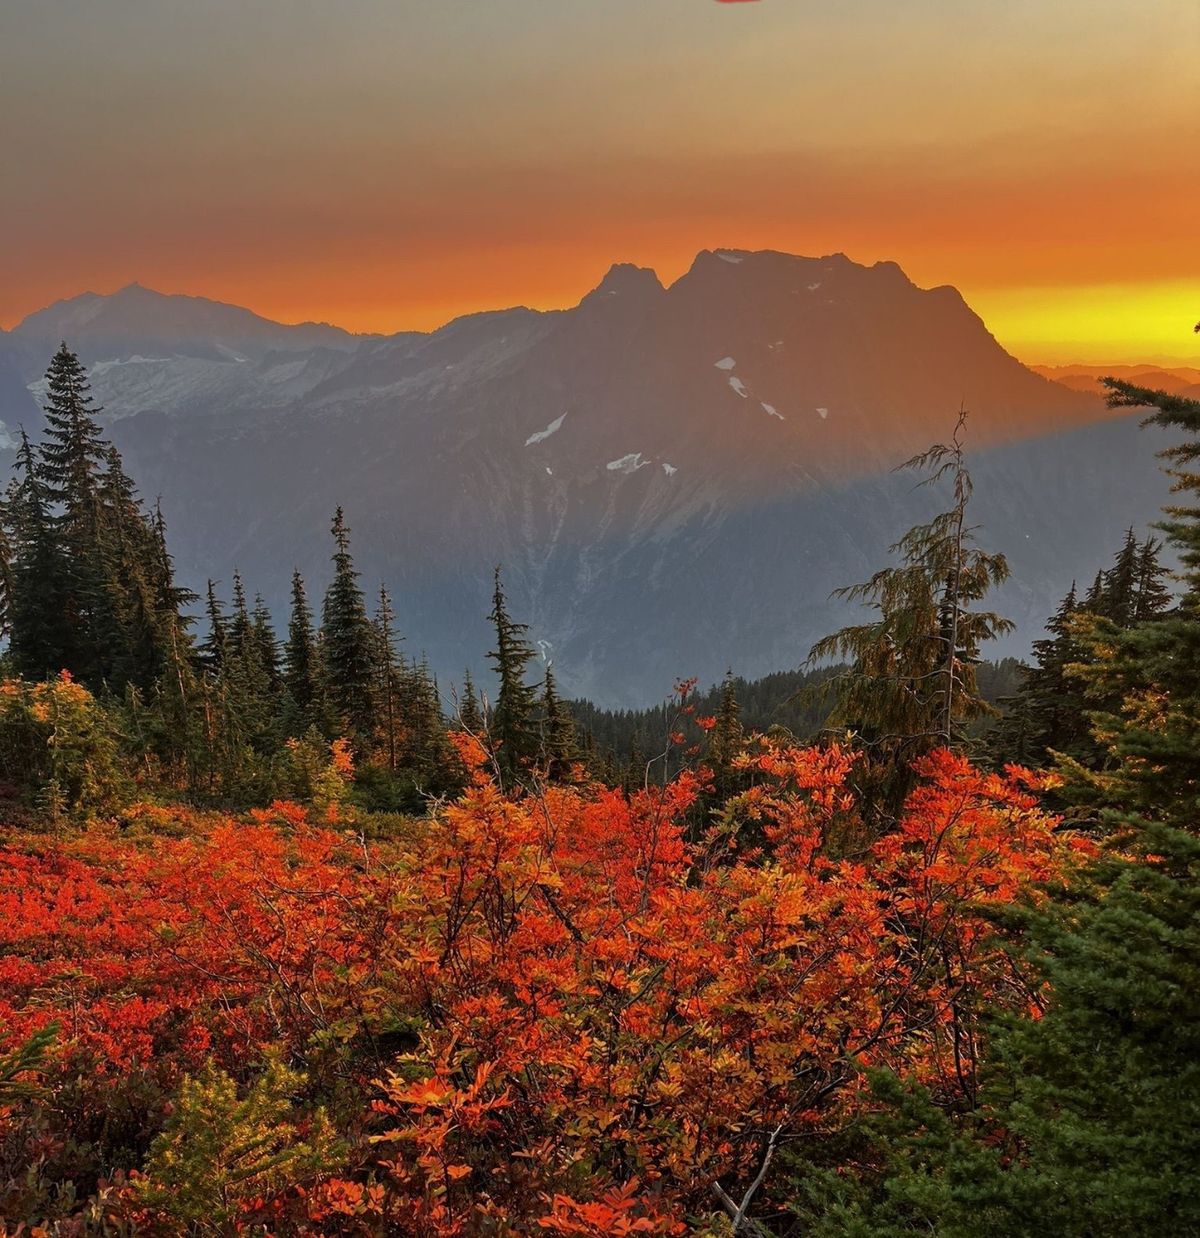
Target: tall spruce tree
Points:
(42, 640)
(214, 646)
(388, 670)
(72, 459)
(559, 743)
(348, 645)
(513, 730)
(470, 717)
(301, 670)
(725, 742)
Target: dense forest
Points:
(295, 940)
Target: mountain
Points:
(674, 478)
(148, 351)
(1177, 379)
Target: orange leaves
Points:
(617, 1212)
(582, 993)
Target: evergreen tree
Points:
(910, 684)
(1090, 1122)
(72, 459)
(241, 627)
(389, 675)
(266, 643)
(513, 730)
(725, 743)
(1153, 596)
(1048, 713)
(42, 641)
(470, 709)
(215, 645)
(300, 662)
(560, 749)
(348, 645)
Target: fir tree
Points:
(470, 709)
(388, 673)
(72, 459)
(300, 662)
(513, 730)
(1088, 1124)
(348, 645)
(214, 647)
(266, 643)
(42, 639)
(560, 749)
(910, 685)
(725, 742)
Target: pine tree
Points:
(513, 730)
(1089, 1123)
(266, 643)
(72, 458)
(214, 647)
(560, 749)
(1152, 593)
(1118, 600)
(388, 675)
(1048, 713)
(42, 641)
(911, 685)
(300, 662)
(349, 645)
(470, 709)
(725, 742)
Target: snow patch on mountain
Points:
(823, 413)
(726, 363)
(770, 408)
(669, 469)
(738, 386)
(542, 435)
(627, 464)
(733, 258)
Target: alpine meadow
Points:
(710, 748)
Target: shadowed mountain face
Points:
(673, 478)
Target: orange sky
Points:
(391, 163)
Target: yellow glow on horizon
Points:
(1094, 324)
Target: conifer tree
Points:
(470, 709)
(725, 742)
(42, 641)
(348, 645)
(388, 675)
(266, 643)
(72, 458)
(213, 648)
(560, 749)
(911, 684)
(1153, 597)
(513, 730)
(300, 661)
(1048, 713)
(1088, 1123)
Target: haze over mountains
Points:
(673, 478)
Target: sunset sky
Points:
(388, 164)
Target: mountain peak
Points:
(625, 279)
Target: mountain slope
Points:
(674, 478)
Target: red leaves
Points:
(596, 995)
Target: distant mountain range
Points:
(1178, 379)
(674, 478)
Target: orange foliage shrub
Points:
(616, 1025)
